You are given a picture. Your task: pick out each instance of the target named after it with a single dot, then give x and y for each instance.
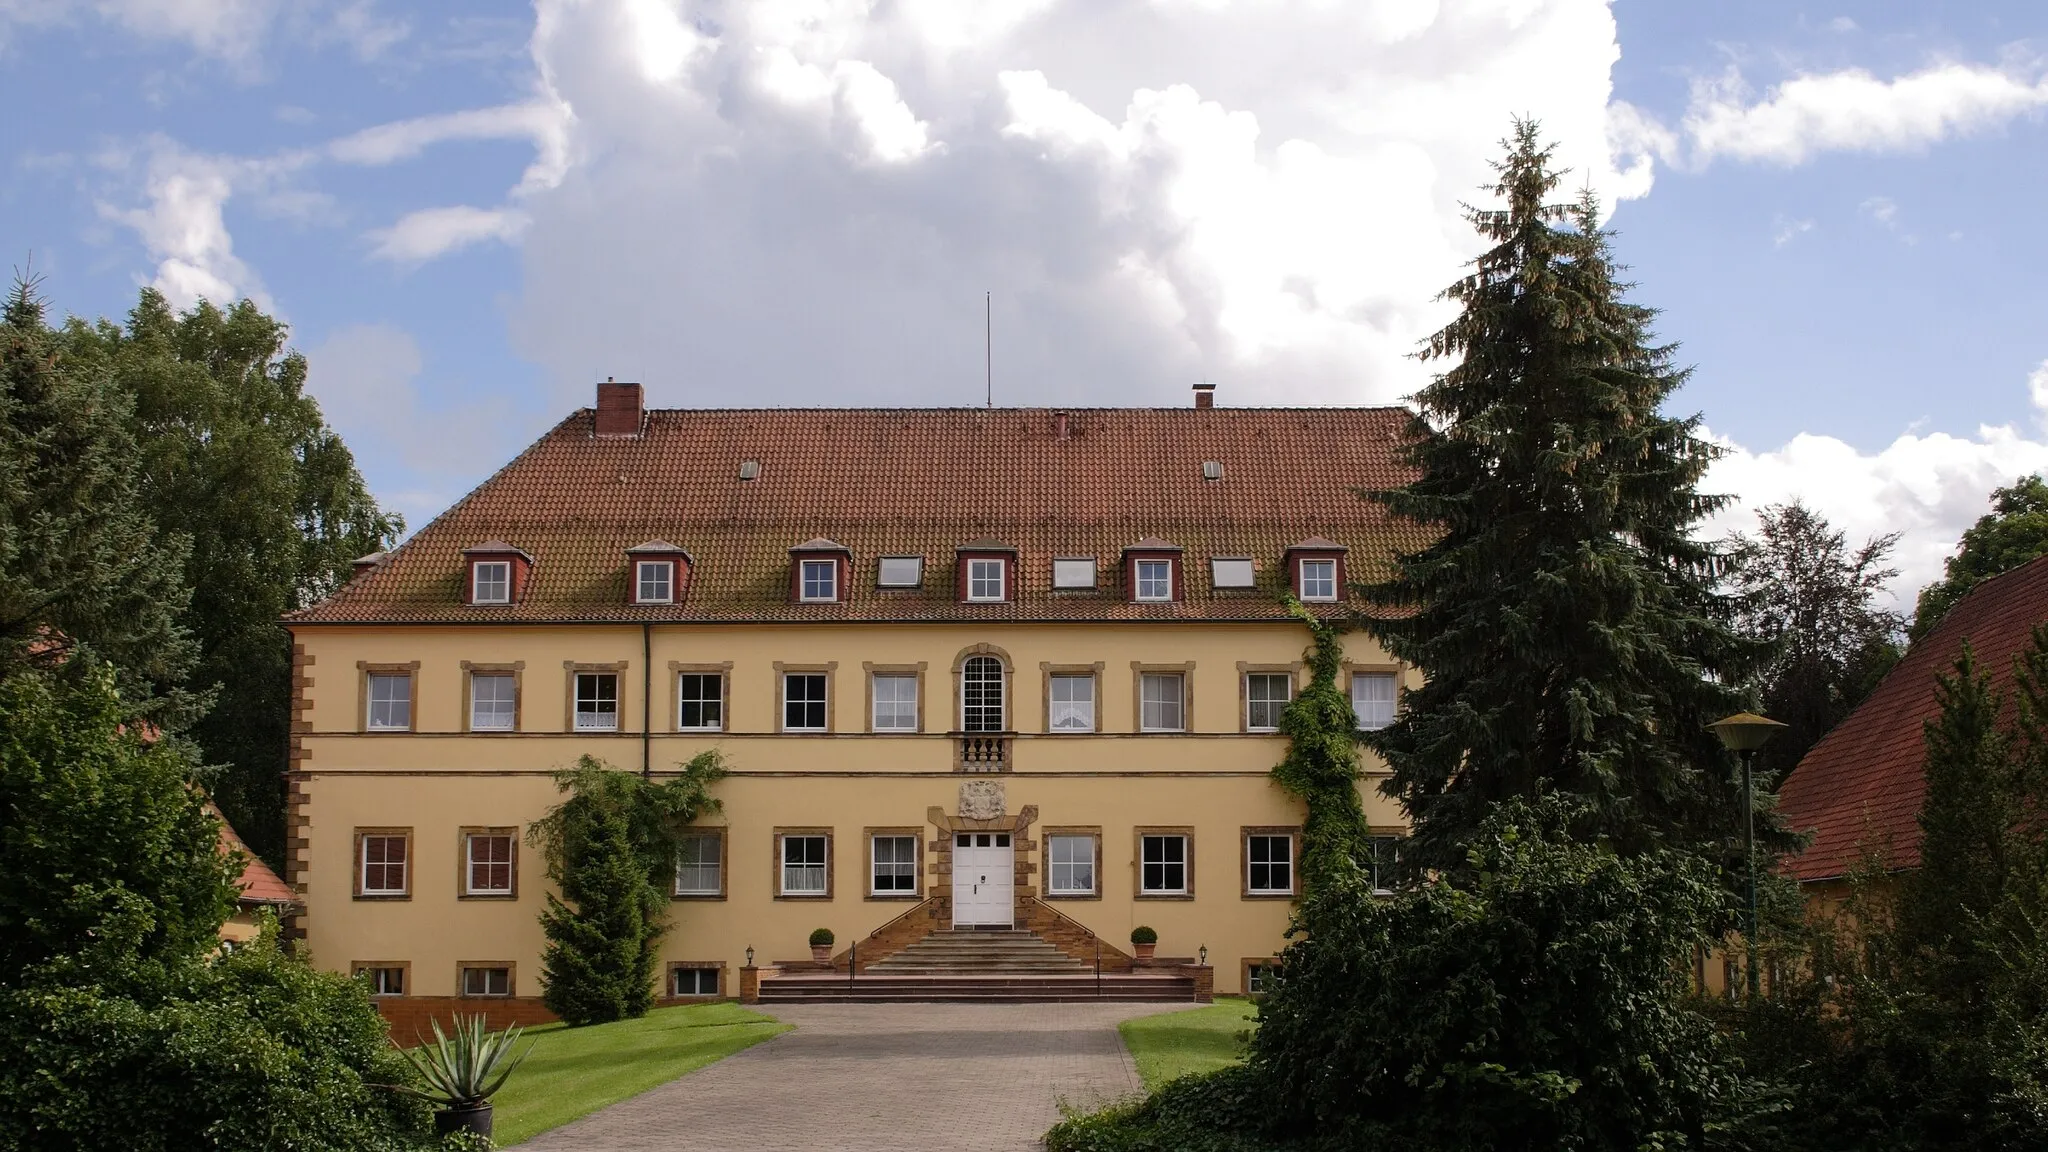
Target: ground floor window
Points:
(1072, 864)
(490, 863)
(1269, 864)
(700, 865)
(486, 980)
(1164, 868)
(693, 982)
(1385, 860)
(1259, 976)
(803, 865)
(384, 979)
(895, 865)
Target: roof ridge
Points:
(964, 408)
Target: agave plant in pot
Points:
(463, 1071)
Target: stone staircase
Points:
(991, 966)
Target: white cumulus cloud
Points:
(432, 232)
(183, 227)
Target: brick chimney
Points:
(1205, 395)
(619, 409)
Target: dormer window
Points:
(655, 581)
(490, 582)
(1315, 570)
(1155, 579)
(986, 579)
(1318, 579)
(819, 580)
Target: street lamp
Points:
(1744, 733)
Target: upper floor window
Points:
(1265, 697)
(1155, 580)
(895, 701)
(597, 701)
(1161, 699)
(1073, 702)
(381, 859)
(490, 582)
(493, 701)
(656, 581)
(1073, 572)
(900, 572)
(1318, 579)
(1385, 860)
(981, 694)
(490, 862)
(803, 702)
(700, 865)
(819, 579)
(1372, 698)
(985, 579)
(700, 701)
(390, 703)
(1231, 572)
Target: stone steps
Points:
(976, 988)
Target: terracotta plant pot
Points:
(1144, 951)
(476, 1118)
(821, 952)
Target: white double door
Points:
(984, 879)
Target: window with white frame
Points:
(803, 702)
(1162, 702)
(1072, 861)
(1073, 572)
(490, 582)
(894, 867)
(803, 865)
(1163, 867)
(490, 863)
(486, 980)
(1073, 702)
(818, 579)
(981, 694)
(1269, 864)
(1155, 580)
(1318, 579)
(597, 701)
(493, 701)
(1231, 572)
(985, 579)
(895, 701)
(383, 863)
(656, 580)
(693, 982)
(700, 701)
(900, 572)
(1260, 977)
(699, 864)
(1265, 697)
(390, 704)
(1372, 698)
(384, 980)
(1384, 853)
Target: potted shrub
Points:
(464, 1071)
(1143, 941)
(821, 943)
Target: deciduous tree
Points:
(2012, 533)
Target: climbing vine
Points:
(1322, 762)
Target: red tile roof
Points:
(259, 884)
(1863, 783)
(900, 482)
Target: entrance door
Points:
(984, 879)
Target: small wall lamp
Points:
(1204, 953)
(750, 955)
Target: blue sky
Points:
(469, 212)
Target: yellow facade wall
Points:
(439, 779)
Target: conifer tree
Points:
(1573, 635)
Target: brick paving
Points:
(902, 1077)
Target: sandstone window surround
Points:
(1375, 691)
(703, 695)
(383, 864)
(1163, 863)
(803, 864)
(595, 695)
(390, 696)
(895, 697)
(895, 862)
(492, 696)
(701, 865)
(1269, 864)
(803, 693)
(1162, 697)
(1073, 697)
(1073, 862)
(387, 978)
(695, 979)
(489, 864)
(1264, 691)
(1259, 972)
(485, 979)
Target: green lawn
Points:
(576, 1071)
(1197, 1040)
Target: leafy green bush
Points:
(1144, 934)
(822, 937)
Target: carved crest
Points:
(981, 799)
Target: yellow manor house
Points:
(1009, 670)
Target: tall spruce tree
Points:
(1574, 637)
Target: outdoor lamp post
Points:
(1205, 954)
(750, 955)
(1744, 733)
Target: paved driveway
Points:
(901, 1077)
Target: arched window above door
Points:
(983, 695)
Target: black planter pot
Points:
(475, 1119)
